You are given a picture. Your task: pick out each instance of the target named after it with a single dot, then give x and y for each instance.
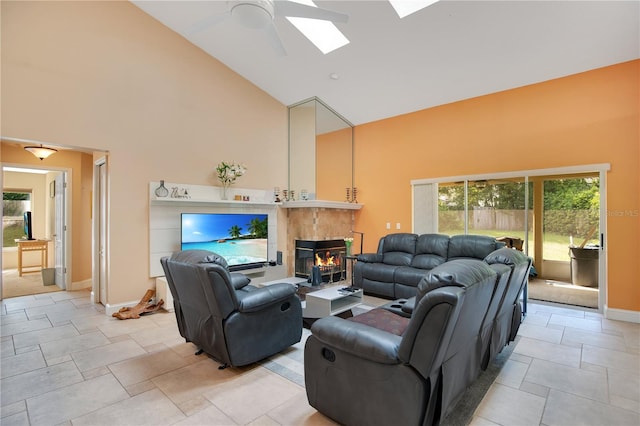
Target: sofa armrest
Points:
(263, 297)
(370, 258)
(358, 339)
(239, 280)
(506, 256)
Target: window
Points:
(493, 207)
(15, 203)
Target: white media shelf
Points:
(206, 194)
(165, 214)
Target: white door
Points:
(101, 199)
(59, 237)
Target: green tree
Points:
(235, 231)
(571, 206)
(258, 228)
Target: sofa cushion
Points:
(398, 249)
(408, 276)
(471, 246)
(431, 251)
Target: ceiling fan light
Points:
(253, 14)
(41, 152)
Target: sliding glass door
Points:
(497, 208)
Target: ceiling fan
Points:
(260, 14)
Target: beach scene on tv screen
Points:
(240, 238)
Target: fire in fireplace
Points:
(329, 255)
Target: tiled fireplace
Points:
(328, 255)
(312, 221)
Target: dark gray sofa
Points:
(402, 259)
(512, 267)
(360, 374)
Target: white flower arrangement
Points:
(229, 172)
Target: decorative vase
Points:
(348, 246)
(162, 190)
(224, 191)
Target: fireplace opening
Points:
(329, 255)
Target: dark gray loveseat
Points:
(402, 259)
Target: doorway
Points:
(34, 231)
(567, 264)
(79, 186)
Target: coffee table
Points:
(324, 300)
(330, 300)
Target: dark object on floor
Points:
(221, 313)
(143, 307)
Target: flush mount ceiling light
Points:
(253, 14)
(41, 152)
(313, 22)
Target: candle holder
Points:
(355, 195)
(348, 199)
(276, 194)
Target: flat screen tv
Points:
(241, 238)
(28, 226)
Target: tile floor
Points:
(65, 362)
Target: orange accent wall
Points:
(587, 118)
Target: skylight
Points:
(323, 34)
(407, 7)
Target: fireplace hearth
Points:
(329, 255)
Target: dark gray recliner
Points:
(509, 314)
(359, 374)
(234, 322)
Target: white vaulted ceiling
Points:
(450, 51)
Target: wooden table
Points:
(32, 245)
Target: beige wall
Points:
(106, 76)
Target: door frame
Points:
(62, 261)
(425, 192)
(67, 244)
(100, 230)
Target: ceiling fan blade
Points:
(274, 40)
(298, 10)
(206, 23)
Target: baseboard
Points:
(81, 285)
(622, 315)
